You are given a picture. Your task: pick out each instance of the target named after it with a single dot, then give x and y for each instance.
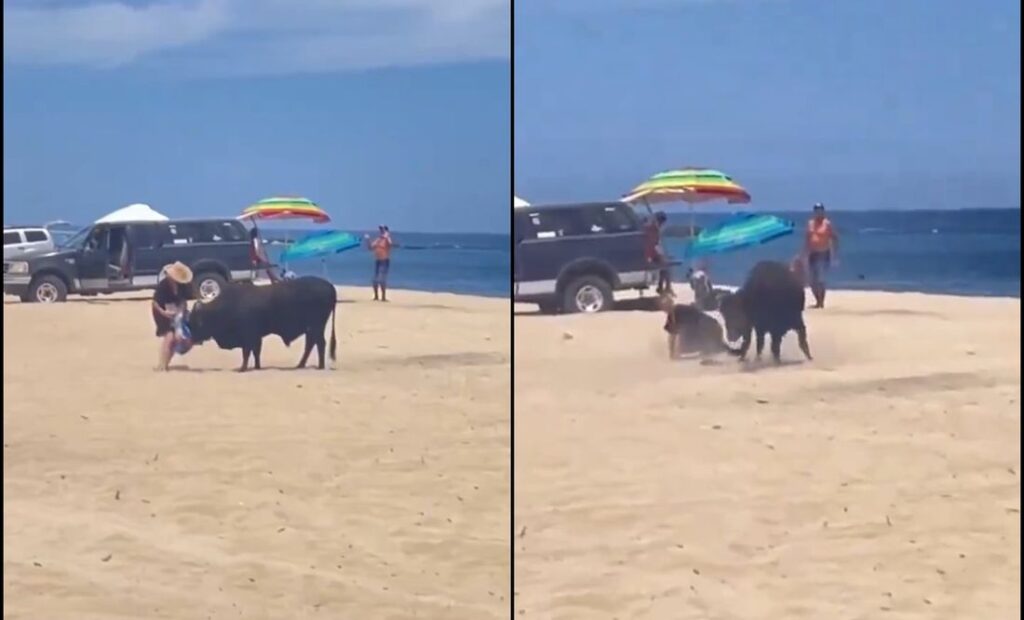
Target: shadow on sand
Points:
(640, 304)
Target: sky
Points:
(382, 111)
(860, 104)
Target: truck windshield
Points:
(75, 241)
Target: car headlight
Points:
(18, 267)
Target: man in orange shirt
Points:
(820, 245)
(381, 248)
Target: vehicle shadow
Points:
(640, 304)
(117, 300)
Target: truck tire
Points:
(209, 285)
(587, 294)
(46, 290)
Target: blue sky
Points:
(857, 103)
(389, 111)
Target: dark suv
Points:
(129, 256)
(570, 258)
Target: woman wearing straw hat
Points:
(169, 300)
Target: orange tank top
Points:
(382, 248)
(819, 235)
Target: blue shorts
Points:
(380, 271)
(819, 263)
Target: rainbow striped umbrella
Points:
(286, 208)
(690, 185)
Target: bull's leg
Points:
(801, 334)
(307, 349)
(257, 348)
(321, 349)
(777, 346)
(760, 342)
(245, 359)
(744, 346)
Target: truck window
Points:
(552, 224)
(184, 233)
(98, 238)
(229, 231)
(12, 238)
(614, 219)
(35, 236)
(145, 236)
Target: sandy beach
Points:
(380, 489)
(881, 480)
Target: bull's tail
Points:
(730, 350)
(334, 340)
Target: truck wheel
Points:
(47, 290)
(209, 286)
(587, 294)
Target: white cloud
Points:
(257, 36)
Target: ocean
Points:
(968, 252)
(473, 264)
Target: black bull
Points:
(771, 301)
(243, 314)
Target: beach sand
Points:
(377, 490)
(881, 480)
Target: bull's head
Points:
(737, 324)
(199, 323)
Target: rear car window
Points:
(12, 238)
(206, 232)
(230, 231)
(552, 224)
(35, 236)
(575, 222)
(146, 236)
(614, 219)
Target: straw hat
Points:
(179, 272)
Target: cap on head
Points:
(819, 206)
(179, 272)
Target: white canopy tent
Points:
(133, 213)
(518, 203)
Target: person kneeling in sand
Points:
(691, 331)
(170, 300)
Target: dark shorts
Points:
(163, 324)
(380, 271)
(819, 263)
